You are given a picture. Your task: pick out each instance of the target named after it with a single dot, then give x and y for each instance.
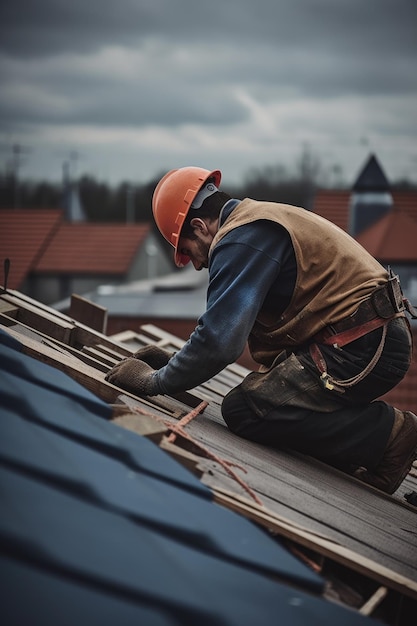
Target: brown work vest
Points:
(334, 274)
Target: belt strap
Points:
(331, 383)
(385, 304)
(410, 308)
(338, 340)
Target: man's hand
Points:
(134, 376)
(154, 356)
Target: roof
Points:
(106, 523)
(372, 177)
(406, 202)
(24, 234)
(40, 240)
(78, 456)
(179, 295)
(393, 238)
(92, 248)
(334, 205)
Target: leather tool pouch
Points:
(389, 299)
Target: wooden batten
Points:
(89, 313)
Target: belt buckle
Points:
(325, 381)
(395, 293)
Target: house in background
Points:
(52, 257)
(384, 222)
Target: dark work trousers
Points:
(289, 407)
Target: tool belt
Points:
(384, 304)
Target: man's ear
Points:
(198, 224)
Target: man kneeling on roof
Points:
(325, 321)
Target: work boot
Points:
(398, 457)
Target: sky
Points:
(127, 90)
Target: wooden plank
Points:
(161, 337)
(5, 320)
(99, 356)
(189, 460)
(54, 343)
(8, 309)
(81, 334)
(84, 336)
(317, 496)
(84, 374)
(312, 541)
(89, 313)
(43, 321)
(113, 351)
(184, 398)
(125, 336)
(136, 341)
(22, 299)
(143, 425)
(374, 601)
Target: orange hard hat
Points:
(171, 201)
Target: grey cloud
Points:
(313, 45)
(147, 101)
(55, 26)
(185, 62)
(43, 27)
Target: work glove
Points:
(134, 376)
(154, 356)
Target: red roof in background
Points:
(406, 201)
(86, 248)
(24, 233)
(334, 206)
(392, 238)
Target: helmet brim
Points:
(181, 260)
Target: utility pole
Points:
(14, 169)
(130, 208)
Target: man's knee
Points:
(234, 409)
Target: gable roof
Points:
(372, 177)
(334, 206)
(92, 248)
(24, 234)
(392, 238)
(40, 240)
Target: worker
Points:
(325, 321)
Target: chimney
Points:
(73, 209)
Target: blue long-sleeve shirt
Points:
(252, 268)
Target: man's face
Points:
(197, 249)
